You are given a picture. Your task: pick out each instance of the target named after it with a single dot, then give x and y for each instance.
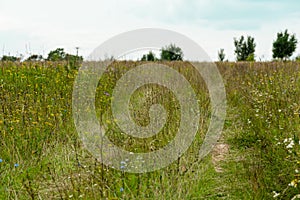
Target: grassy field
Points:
(41, 156)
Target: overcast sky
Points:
(35, 26)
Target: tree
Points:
(149, 57)
(57, 55)
(244, 49)
(221, 55)
(73, 60)
(284, 46)
(35, 57)
(10, 58)
(171, 52)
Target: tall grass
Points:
(265, 100)
(43, 158)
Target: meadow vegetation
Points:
(41, 156)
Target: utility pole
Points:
(77, 51)
(77, 48)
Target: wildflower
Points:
(123, 163)
(275, 194)
(297, 171)
(290, 145)
(1, 160)
(121, 189)
(122, 167)
(16, 165)
(293, 183)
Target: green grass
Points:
(37, 133)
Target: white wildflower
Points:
(275, 194)
(290, 145)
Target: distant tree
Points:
(221, 55)
(60, 55)
(244, 49)
(284, 46)
(297, 58)
(149, 57)
(73, 60)
(57, 55)
(171, 52)
(144, 57)
(35, 57)
(10, 58)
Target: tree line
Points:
(283, 48)
(56, 55)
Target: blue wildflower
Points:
(123, 163)
(121, 189)
(1, 160)
(16, 165)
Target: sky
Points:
(36, 27)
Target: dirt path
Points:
(219, 154)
